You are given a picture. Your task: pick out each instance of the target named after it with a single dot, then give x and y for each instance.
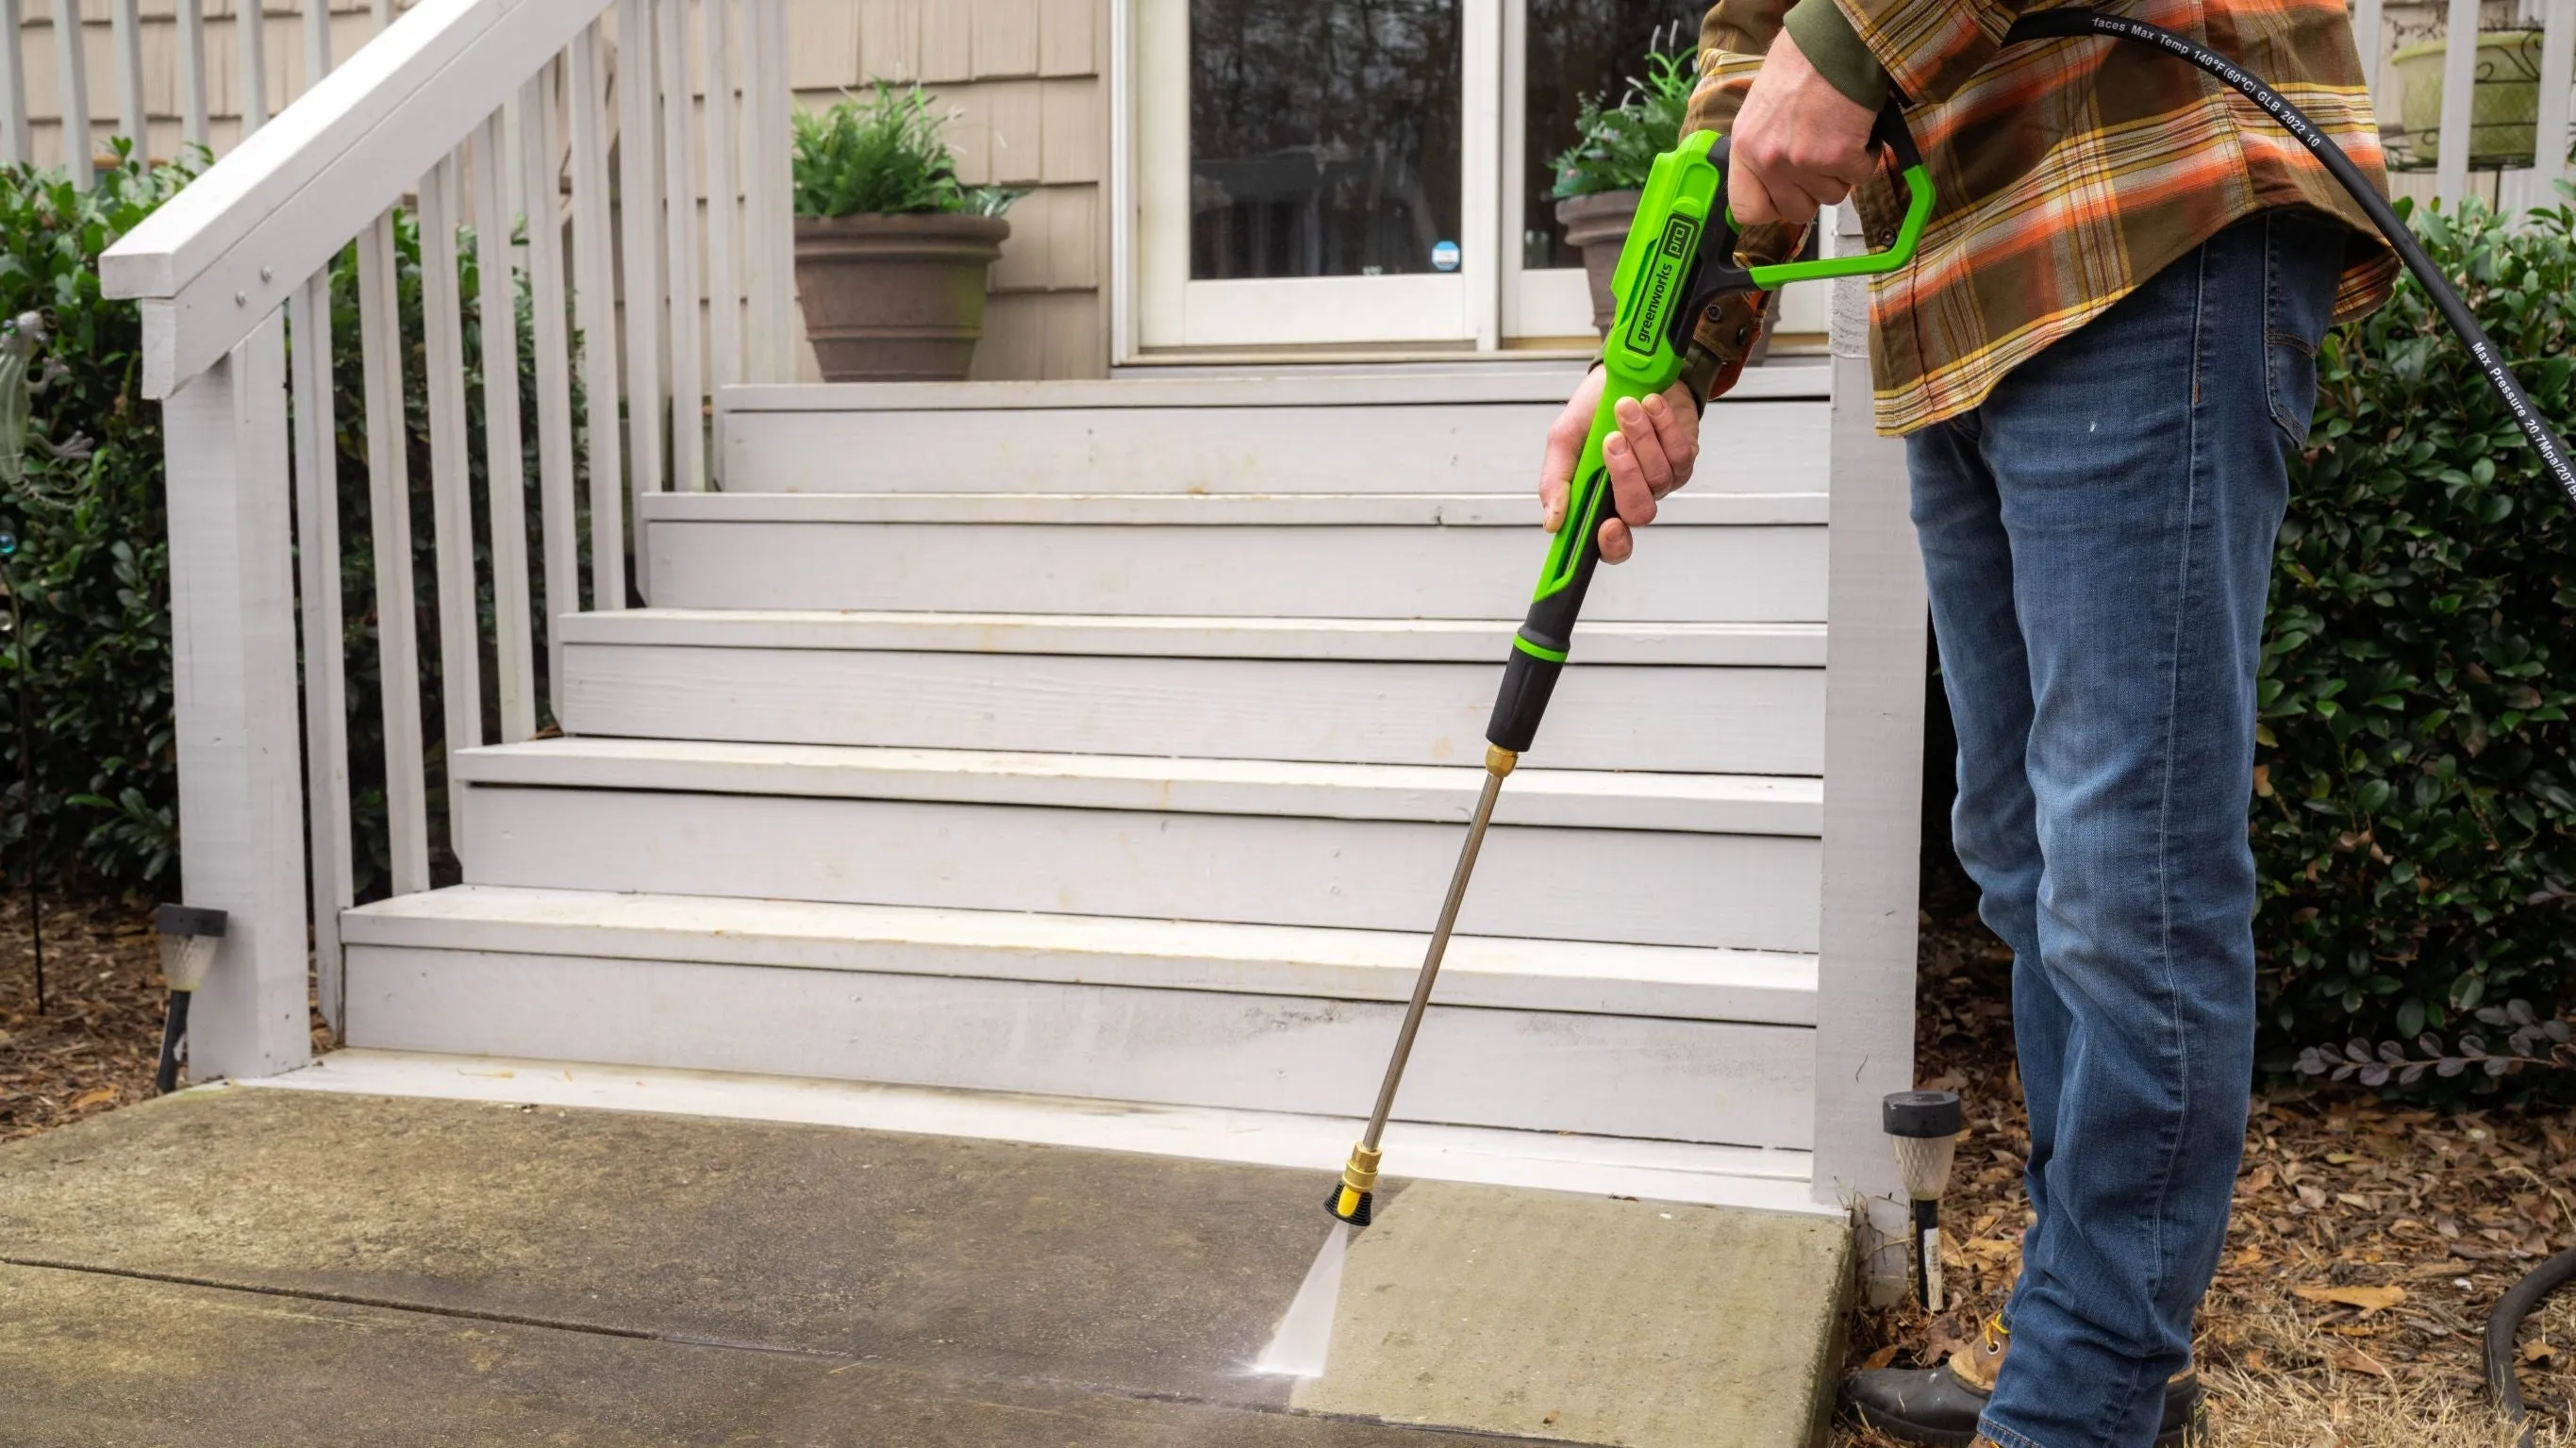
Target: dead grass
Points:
(2368, 1244)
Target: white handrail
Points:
(226, 251)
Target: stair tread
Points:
(1295, 387)
(1680, 982)
(1445, 510)
(1784, 645)
(1572, 798)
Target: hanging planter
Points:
(2504, 105)
(892, 253)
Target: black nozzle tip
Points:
(1920, 1113)
(1359, 1215)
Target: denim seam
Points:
(2004, 1437)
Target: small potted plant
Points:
(1599, 177)
(892, 250)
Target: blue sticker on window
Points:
(1444, 256)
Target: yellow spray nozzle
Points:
(1350, 1201)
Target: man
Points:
(2100, 360)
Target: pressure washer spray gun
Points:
(1677, 269)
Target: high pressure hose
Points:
(2518, 1302)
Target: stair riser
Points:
(1766, 447)
(1654, 888)
(1753, 574)
(1608, 1075)
(1608, 716)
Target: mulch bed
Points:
(95, 1045)
(2369, 1240)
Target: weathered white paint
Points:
(250, 35)
(326, 712)
(594, 271)
(125, 37)
(639, 207)
(460, 666)
(680, 247)
(1532, 1070)
(1768, 1179)
(1123, 511)
(389, 522)
(541, 184)
(504, 459)
(2459, 74)
(71, 79)
(286, 199)
(1748, 892)
(1398, 640)
(1255, 387)
(1604, 716)
(1873, 793)
(724, 202)
(232, 609)
(1738, 574)
(767, 198)
(1614, 800)
(192, 74)
(1764, 987)
(1429, 447)
(2557, 76)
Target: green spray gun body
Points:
(1679, 259)
(1678, 264)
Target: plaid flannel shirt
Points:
(2067, 171)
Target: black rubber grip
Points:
(1528, 679)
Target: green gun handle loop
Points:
(1888, 131)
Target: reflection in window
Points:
(1579, 48)
(1323, 137)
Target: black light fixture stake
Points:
(189, 937)
(1925, 1126)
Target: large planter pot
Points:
(895, 298)
(1597, 225)
(2504, 106)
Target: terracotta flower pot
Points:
(895, 298)
(1598, 225)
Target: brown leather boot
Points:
(1939, 1407)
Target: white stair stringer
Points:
(1648, 1042)
(1693, 860)
(1673, 698)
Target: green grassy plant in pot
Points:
(1599, 177)
(892, 251)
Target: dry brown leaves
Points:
(95, 1046)
(2368, 1242)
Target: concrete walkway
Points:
(243, 1268)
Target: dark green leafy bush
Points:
(93, 576)
(2414, 792)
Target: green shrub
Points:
(1616, 145)
(2415, 813)
(887, 154)
(93, 572)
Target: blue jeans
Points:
(2098, 541)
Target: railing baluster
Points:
(505, 470)
(389, 516)
(317, 41)
(250, 35)
(125, 36)
(724, 219)
(192, 74)
(639, 210)
(71, 74)
(450, 487)
(680, 252)
(317, 553)
(777, 267)
(2459, 65)
(13, 86)
(562, 576)
(594, 269)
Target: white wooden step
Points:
(1772, 1178)
(1392, 692)
(1752, 558)
(1235, 1017)
(1699, 860)
(1478, 431)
